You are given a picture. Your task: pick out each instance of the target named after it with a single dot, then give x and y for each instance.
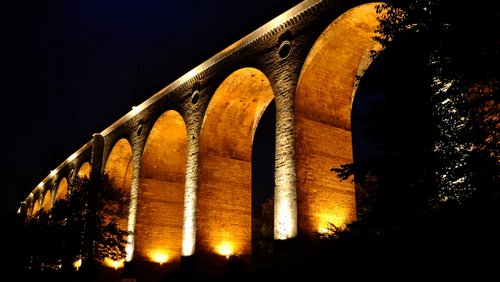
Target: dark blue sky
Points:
(72, 68)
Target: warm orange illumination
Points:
(161, 190)
(62, 190)
(225, 249)
(325, 222)
(119, 167)
(224, 194)
(323, 106)
(36, 207)
(113, 263)
(84, 170)
(46, 203)
(159, 256)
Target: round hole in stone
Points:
(284, 49)
(195, 97)
(139, 130)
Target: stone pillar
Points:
(137, 151)
(285, 194)
(193, 125)
(97, 155)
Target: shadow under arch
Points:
(323, 106)
(161, 192)
(224, 208)
(119, 168)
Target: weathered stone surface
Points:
(184, 155)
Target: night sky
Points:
(72, 68)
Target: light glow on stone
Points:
(189, 218)
(132, 218)
(72, 156)
(325, 222)
(159, 256)
(284, 219)
(285, 206)
(113, 263)
(188, 226)
(225, 248)
(129, 249)
(77, 264)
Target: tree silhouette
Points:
(435, 121)
(458, 41)
(263, 232)
(84, 226)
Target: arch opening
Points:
(36, 207)
(263, 166)
(324, 97)
(224, 209)
(84, 170)
(119, 168)
(62, 190)
(161, 193)
(47, 200)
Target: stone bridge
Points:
(185, 154)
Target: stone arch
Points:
(84, 170)
(323, 105)
(226, 140)
(119, 165)
(119, 168)
(161, 192)
(47, 200)
(61, 190)
(30, 204)
(36, 206)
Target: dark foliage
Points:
(435, 120)
(262, 230)
(397, 178)
(458, 41)
(83, 226)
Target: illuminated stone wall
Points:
(323, 119)
(161, 192)
(119, 168)
(184, 154)
(47, 201)
(224, 219)
(84, 170)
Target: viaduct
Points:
(185, 154)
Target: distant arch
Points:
(36, 207)
(119, 168)
(47, 200)
(119, 164)
(61, 190)
(84, 170)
